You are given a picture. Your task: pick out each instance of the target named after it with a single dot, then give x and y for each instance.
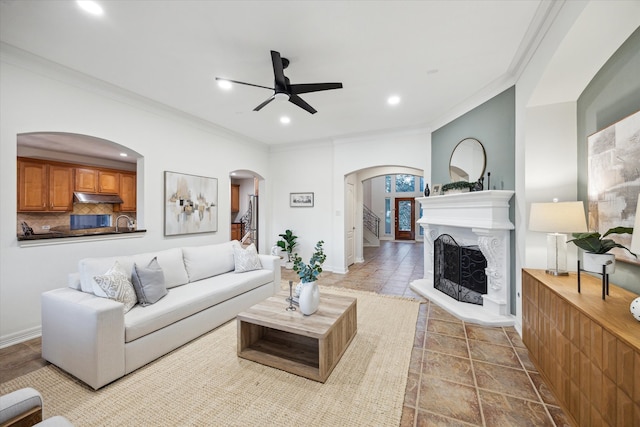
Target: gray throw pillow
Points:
(148, 282)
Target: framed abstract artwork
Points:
(190, 204)
(613, 157)
(301, 200)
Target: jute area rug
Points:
(205, 383)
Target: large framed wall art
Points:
(190, 204)
(614, 180)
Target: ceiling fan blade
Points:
(313, 87)
(301, 103)
(278, 70)
(259, 107)
(243, 83)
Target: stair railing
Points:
(371, 221)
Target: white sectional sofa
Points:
(93, 339)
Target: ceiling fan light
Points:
(224, 84)
(280, 96)
(285, 120)
(90, 6)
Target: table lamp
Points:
(556, 219)
(635, 237)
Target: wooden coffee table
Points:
(309, 346)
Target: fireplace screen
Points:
(459, 271)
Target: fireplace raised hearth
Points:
(479, 219)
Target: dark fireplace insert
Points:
(459, 271)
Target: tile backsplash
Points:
(37, 220)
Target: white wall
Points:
(38, 96)
(546, 128)
(323, 168)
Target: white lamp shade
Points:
(567, 217)
(635, 238)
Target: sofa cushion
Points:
(148, 282)
(210, 260)
(246, 259)
(184, 301)
(170, 261)
(115, 285)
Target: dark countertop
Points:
(65, 233)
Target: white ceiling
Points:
(434, 54)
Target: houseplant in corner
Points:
(287, 242)
(309, 298)
(596, 249)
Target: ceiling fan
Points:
(284, 90)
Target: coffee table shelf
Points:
(309, 346)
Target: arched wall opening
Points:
(81, 152)
(247, 224)
(354, 202)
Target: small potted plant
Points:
(307, 290)
(287, 243)
(596, 249)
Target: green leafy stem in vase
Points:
(310, 272)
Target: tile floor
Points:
(460, 374)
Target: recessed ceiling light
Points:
(90, 6)
(393, 100)
(285, 120)
(224, 84)
(123, 154)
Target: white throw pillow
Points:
(246, 259)
(115, 285)
(208, 261)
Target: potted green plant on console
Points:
(287, 242)
(596, 249)
(309, 294)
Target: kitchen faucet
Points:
(130, 223)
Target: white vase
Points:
(594, 262)
(635, 308)
(309, 298)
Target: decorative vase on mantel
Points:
(593, 262)
(309, 298)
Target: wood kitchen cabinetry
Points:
(127, 192)
(236, 231)
(97, 181)
(586, 348)
(44, 187)
(235, 198)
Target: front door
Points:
(405, 218)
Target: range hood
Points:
(96, 198)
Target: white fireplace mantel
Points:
(477, 218)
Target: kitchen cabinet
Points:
(86, 180)
(127, 192)
(587, 349)
(108, 182)
(236, 231)
(235, 198)
(44, 187)
(60, 188)
(89, 180)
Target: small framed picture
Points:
(301, 200)
(436, 189)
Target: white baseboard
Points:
(18, 337)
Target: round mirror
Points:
(467, 161)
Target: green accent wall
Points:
(493, 124)
(613, 94)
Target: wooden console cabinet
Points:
(586, 348)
